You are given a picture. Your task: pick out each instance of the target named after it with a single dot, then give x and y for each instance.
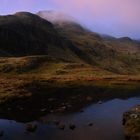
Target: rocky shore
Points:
(131, 122)
(34, 97)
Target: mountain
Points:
(24, 34)
(60, 37)
(20, 35)
(125, 39)
(120, 55)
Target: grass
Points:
(41, 78)
(49, 83)
(15, 85)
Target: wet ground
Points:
(98, 121)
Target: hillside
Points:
(116, 55)
(25, 34)
(50, 47)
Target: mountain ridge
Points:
(25, 34)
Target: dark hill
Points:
(26, 34)
(125, 39)
(117, 55)
(20, 34)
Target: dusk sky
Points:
(113, 17)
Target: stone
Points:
(72, 126)
(57, 122)
(21, 109)
(1, 133)
(81, 111)
(131, 122)
(31, 127)
(100, 102)
(9, 109)
(51, 99)
(51, 111)
(89, 98)
(90, 124)
(61, 109)
(134, 116)
(61, 126)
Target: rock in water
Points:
(31, 127)
(61, 126)
(1, 133)
(90, 124)
(56, 122)
(72, 126)
(100, 102)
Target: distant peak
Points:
(125, 39)
(31, 18)
(108, 37)
(23, 13)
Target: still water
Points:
(105, 120)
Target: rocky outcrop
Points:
(131, 122)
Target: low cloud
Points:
(56, 16)
(116, 17)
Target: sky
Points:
(113, 17)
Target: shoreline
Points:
(33, 97)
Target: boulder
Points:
(31, 127)
(61, 126)
(72, 126)
(131, 122)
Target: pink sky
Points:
(115, 17)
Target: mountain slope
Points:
(26, 34)
(116, 55)
(20, 35)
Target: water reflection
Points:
(106, 119)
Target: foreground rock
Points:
(1, 133)
(131, 122)
(61, 126)
(72, 126)
(31, 127)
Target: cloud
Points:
(116, 17)
(56, 16)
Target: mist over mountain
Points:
(55, 17)
(61, 37)
(60, 19)
(106, 51)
